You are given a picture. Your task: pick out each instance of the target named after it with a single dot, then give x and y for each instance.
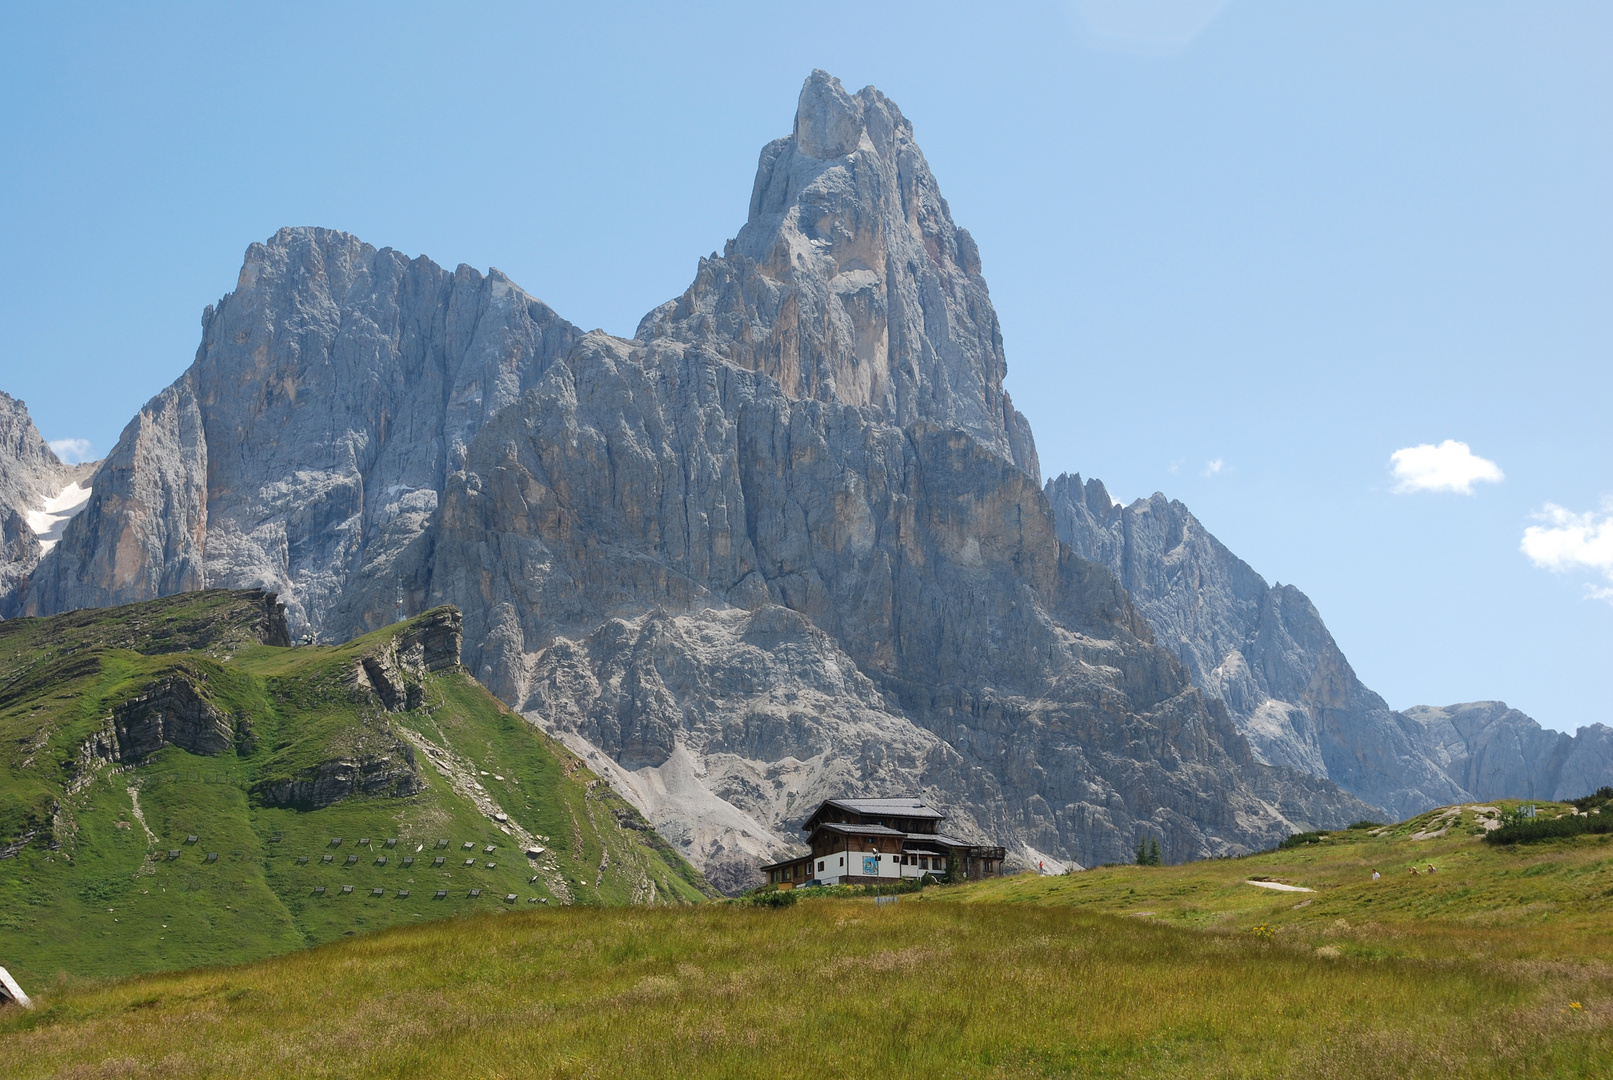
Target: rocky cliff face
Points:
(850, 283)
(173, 711)
(31, 479)
(1496, 752)
(1264, 651)
(334, 391)
(788, 541)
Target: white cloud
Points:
(1450, 466)
(1570, 541)
(71, 451)
(1213, 467)
(1159, 27)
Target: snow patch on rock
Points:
(56, 511)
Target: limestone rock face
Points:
(30, 474)
(171, 712)
(1496, 752)
(29, 469)
(385, 768)
(306, 447)
(1261, 649)
(789, 541)
(729, 727)
(657, 476)
(141, 534)
(850, 283)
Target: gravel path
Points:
(1279, 886)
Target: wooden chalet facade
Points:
(873, 841)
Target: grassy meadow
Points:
(1497, 965)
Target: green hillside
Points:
(125, 732)
(1499, 965)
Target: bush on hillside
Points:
(1531, 830)
(1595, 800)
(1148, 852)
(1302, 838)
(1365, 824)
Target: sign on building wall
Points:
(871, 865)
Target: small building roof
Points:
(854, 829)
(789, 862)
(890, 809)
(940, 838)
(908, 808)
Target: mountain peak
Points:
(849, 281)
(830, 123)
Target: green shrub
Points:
(1365, 824)
(1532, 830)
(774, 898)
(1595, 800)
(1299, 839)
(1148, 852)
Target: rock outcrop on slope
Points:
(30, 475)
(1496, 752)
(788, 540)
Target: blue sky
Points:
(1290, 239)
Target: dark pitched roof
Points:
(907, 808)
(942, 839)
(890, 809)
(789, 862)
(861, 830)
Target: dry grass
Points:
(832, 987)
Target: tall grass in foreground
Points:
(835, 988)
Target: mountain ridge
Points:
(31, 477)
(1264, 651)
(807, 460)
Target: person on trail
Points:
(1374, 875)
(1432, 869)
(1414, 871)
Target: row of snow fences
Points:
(381, 860)
(336, 842)
(392, 842)
(441, 894)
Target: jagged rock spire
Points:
(849, 281)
